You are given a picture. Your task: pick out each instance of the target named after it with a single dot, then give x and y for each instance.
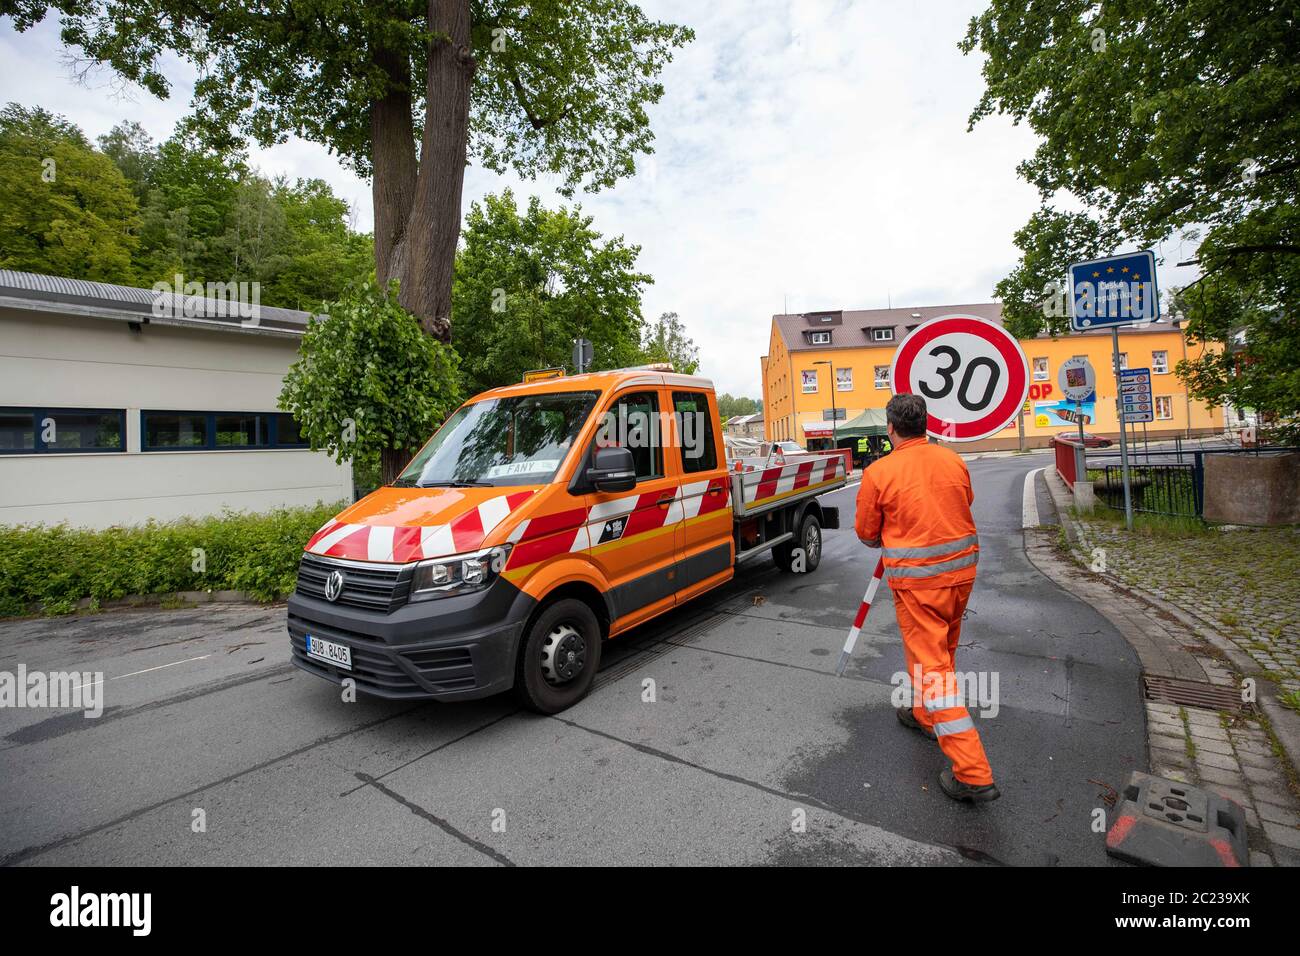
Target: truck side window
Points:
(695, 429)
(633, 422)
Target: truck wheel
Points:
(809, 540)
(558, 657)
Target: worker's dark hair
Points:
(907, 414)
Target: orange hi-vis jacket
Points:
(916, 503)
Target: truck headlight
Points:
(457, 573)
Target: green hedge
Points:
(53, 567)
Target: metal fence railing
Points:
(1164, 489)
(1161, 483)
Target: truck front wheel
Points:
(558, 657)
(804, 553)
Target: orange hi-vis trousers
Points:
(930, 622)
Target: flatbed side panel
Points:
(762, 488)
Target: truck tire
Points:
(558, 657)
(809, 540)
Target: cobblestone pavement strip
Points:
(1208, 606)
(1244, 581)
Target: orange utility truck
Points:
(541, 520)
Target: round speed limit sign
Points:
(973, 375)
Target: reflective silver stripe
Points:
(943, 728)
(932, 550)
(927, 570)
(943, 703)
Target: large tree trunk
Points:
(394, 165)
(417, 205)
(428, 254)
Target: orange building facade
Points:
(799, 386)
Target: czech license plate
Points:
(328, 651)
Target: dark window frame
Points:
(694, 466)
(579, 484)
(39, 447)
(273, 442)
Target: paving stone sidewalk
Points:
(1238, 757)
(1243, 582)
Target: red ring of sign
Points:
(1007, 347)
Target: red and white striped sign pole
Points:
(861, 617)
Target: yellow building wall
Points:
(792, 407)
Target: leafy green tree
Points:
(666, 341)
(65, 209)
(528, 285)
(368, 383)
(208, 216)
(1158, 120)
(405, 92)
(132, 151)
(322, 255)
(193, 190)
(729, 405)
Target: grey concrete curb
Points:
(1285, 722)
(187, 597)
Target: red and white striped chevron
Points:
(758, 487)
(402, 544)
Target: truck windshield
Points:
(501, 441)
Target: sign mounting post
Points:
(1108, 293)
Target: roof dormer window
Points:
(882, 335)
(820, 338)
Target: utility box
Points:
(1161, 822)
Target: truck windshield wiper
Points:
(456, 484)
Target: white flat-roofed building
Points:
(118, 405)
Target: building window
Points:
(809, 381)
(1123, 360)
(242, 430)
(1164, 407)
(844, 379)
(882, 335)
(704, 455)
(1040, 368)
(29, 431)
(1160, 363)
(882, 376)
(287, 432)
(213, 431)
(821, 338)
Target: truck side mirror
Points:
(612, 469)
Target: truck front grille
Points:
(373, 587)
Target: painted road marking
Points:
(147, 670)
(1029, 518)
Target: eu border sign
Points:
(1119, 290)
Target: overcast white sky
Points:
(810, 154)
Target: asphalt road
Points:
(750, 734)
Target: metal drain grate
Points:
(1190, 693)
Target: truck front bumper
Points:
(458, 648)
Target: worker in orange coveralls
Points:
(916, 503)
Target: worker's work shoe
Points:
(908, 719)
(968, 792)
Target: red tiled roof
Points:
(853, 328)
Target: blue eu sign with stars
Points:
(1120, 290)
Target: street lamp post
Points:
(834, 413)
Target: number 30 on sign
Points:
(973, 376)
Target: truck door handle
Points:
(665, 502)
(715, 491)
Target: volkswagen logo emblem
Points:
(334, 586)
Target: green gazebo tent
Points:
(867, 425)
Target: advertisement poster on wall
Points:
(1063, 414)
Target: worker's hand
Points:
(873, 543)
